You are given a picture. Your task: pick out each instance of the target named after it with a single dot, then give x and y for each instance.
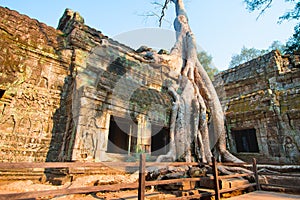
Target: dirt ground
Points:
(27, 186)
(84, 181)
(91, 180)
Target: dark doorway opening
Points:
(246, 140)
(160, 139)
(2, 93)
(120, 138)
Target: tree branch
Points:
(264, 9)
(164, 7)
(153, 14)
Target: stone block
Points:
(188, 185)
(207, 183)
(232, 183)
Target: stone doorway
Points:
(160, 139)
(121, 137)
(246, 141)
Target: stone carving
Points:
(28, 101)
(273, 144)
(8, 124)
(291, 150)
(90, 139)
(24, 126)
(89, 144)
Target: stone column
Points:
(102, 137)
(143, 134)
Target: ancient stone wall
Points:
(60, 89)
(32, 75)
(263, 95)
(72, 93)
(111, 80)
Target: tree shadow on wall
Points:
(63, 132)
(61, 119)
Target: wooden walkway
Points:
(258, 195)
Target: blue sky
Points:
(221, 28)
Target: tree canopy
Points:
(293, 44)
(248, 54)
(206, 61)
(245, 55)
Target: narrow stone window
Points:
(160, 139)
(246, 140)
(120, 138)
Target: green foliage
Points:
(257, 4)
(206, 62)
(292, 14)
(244, 56)
(248, 54)
(277, 45)
(262, 5)
(293, 44)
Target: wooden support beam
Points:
(142, 177)
(256, 174)
(216, 179)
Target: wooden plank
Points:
(216, 179)
(234, 175)
(280, 166)
(66, 191)
(204, 194)
(243, 164)
(150, 164)
(279, 174)
(256, 174)
(23, 165)
(170, 181)
(281, 186)
(142, 178)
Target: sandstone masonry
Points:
(33, 71)
(261, 99)
(72, 93)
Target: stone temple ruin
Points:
(73, 94)
(261, 99)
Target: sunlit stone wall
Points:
(263, 94)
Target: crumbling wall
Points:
(32, 76)
(109, 79)
(60, 87)
(263, 94)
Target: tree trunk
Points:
(196, 98)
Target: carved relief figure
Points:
(273, 145)
(89, 144)
(89, 139)
(291, 150)
(24, 126)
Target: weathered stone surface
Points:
(32, 75)
(60, 90)
(263, 94)
(60, 87)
